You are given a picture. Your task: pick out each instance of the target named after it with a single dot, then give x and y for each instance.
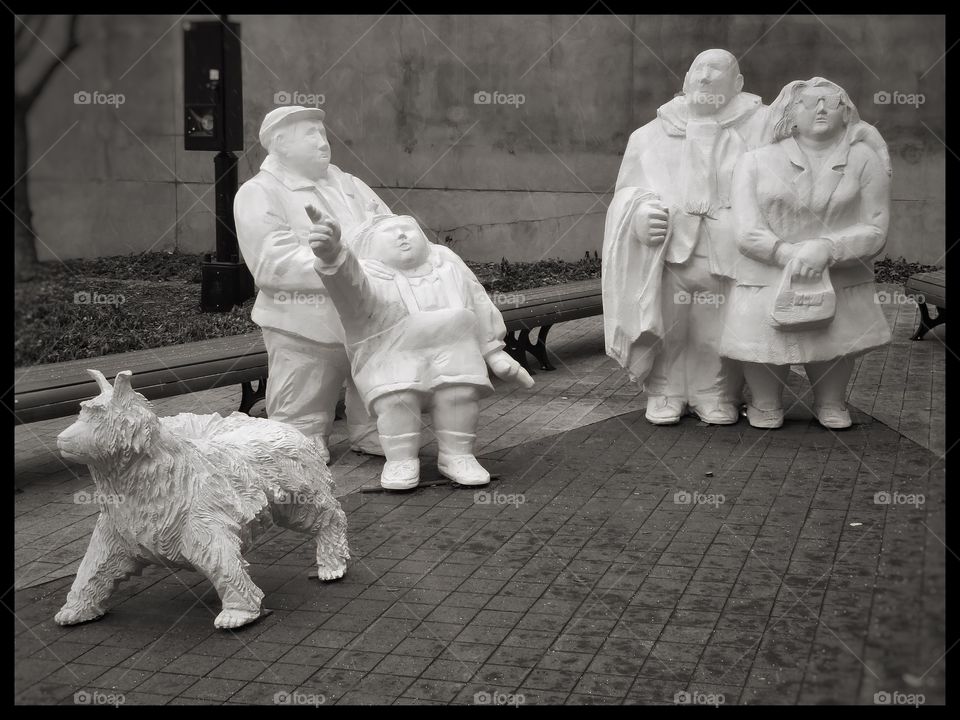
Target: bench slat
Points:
(932, 294)
(931, 285)
(529, 318)
(86, 386)
(546, 295)
(42, 377)
(937, 277)
(62, 408)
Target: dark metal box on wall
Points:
(212, 86)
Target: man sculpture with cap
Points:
(420, 332)
(301, 330)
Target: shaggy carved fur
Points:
(193, 491)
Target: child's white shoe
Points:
(833, 417)
(463, 469)
(400, 474)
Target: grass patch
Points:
(152, 300)
(897, 270)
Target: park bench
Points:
(543, 307)
(55, 390)
(928, 288)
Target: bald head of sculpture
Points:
(712, 81)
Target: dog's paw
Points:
(228, 619)
(327, 573)
(69, 615)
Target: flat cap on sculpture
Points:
(278, 116)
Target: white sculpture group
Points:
(409, 329)
(739, 242)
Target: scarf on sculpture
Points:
(710, 150)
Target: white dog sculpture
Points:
(192, 491)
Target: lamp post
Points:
(213, 121)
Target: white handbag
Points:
(803, 304)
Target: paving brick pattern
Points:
(610, 562)
(902, 385)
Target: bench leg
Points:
(515, 348)
(926, 324)
(249, 397)
(538, 350)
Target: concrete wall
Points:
(526, 182)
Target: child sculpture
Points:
(420, 332)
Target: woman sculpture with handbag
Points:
(812, 211)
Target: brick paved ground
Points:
(902, 385)
(579, 576)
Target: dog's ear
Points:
(124, 394)
(122, 390)
(102, 382)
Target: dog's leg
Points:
(319, 514)
(105, 563)
(216, 553)
(332, 549)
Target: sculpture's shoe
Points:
(768, 419)
(462, 469)
(717, 413)
(834, 417)
(228, 619)
(400, 474)
(75, 616)
(663, 410)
